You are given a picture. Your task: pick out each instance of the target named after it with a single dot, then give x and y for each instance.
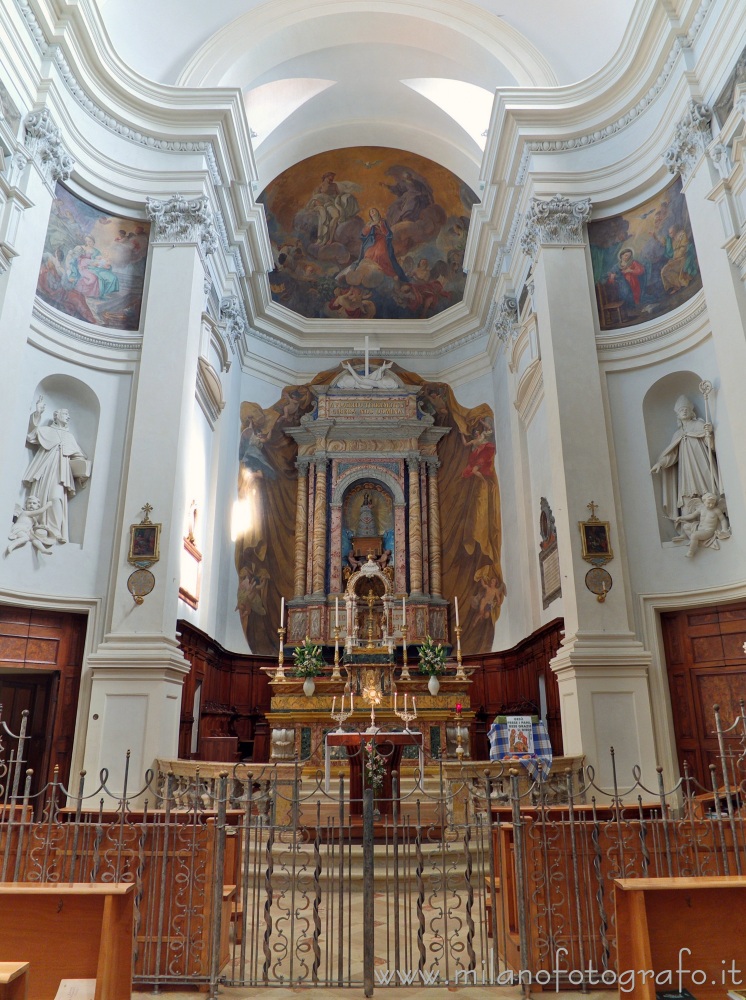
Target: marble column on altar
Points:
(335, 548)
(425, 510)
(415, 526)
(602, 669)
(301, 527)
(400, 545)
(309, 526)
(433, 503)
(319, 529)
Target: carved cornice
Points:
(179, 220)
(556, 221)
(44, 142)
(692, 136)
(506, 324)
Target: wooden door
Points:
(45, 649)
(33, 693)
(706, 666)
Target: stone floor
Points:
(386, 993)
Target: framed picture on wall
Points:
(145, 542)
(596, 541)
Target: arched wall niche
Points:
(65, 392)
(661, 424)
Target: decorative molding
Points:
(720, 156)
(530, 392)
(692, 136)
(556, 221)
(506, 324)
(209, 391)
(618, 343)
(113, 342)
(632, 114)
(179, 220)
(33, 26)
(43, 140)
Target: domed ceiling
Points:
(418, 76)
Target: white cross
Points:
(367, 355)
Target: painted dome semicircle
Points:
(367, 233)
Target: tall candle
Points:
(414, 704)
(405, 702)
(404, 610)
(282, 612)
(352, 708)
(336, 611)
(334, 702)
(394, 701)
(455, 601)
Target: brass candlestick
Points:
(336, 675)
(460, 675)
(280, 677)
(405, 675)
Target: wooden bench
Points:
(78, 931)
(13, 980)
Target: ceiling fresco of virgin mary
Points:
(368, 233)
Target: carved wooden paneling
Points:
(510, 679)
(705, 664)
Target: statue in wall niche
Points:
(688, 466)
(706, 524)
(58, 468)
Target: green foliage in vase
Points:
(307, 659)
(432, 657)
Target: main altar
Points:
(368, 577)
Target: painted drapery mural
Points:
(469, 503)
(93, 265)
(368, 233)
(644, 261)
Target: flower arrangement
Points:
(307, 659)
(375, 767)
(432, 657)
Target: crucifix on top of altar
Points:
(367, 561)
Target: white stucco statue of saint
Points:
(688, 466)
(57, 469)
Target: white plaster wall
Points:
(540, 471)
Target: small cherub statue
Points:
(26, 527)
(704, 525)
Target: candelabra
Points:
(336, 675)
(405, 715)
(405, 675)
(279, 677)
(341, 716)
(460, 675)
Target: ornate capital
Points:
(44, 143)
(556, 221)
(692, 136)
(231, 317)
(179, 220)
(506, 324)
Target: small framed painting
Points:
(145, 543)
(596, 541)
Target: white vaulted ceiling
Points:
(323, 74)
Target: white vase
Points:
(309, 686)
(433, 685)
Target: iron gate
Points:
(269, 877)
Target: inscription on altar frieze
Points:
(356, 408)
